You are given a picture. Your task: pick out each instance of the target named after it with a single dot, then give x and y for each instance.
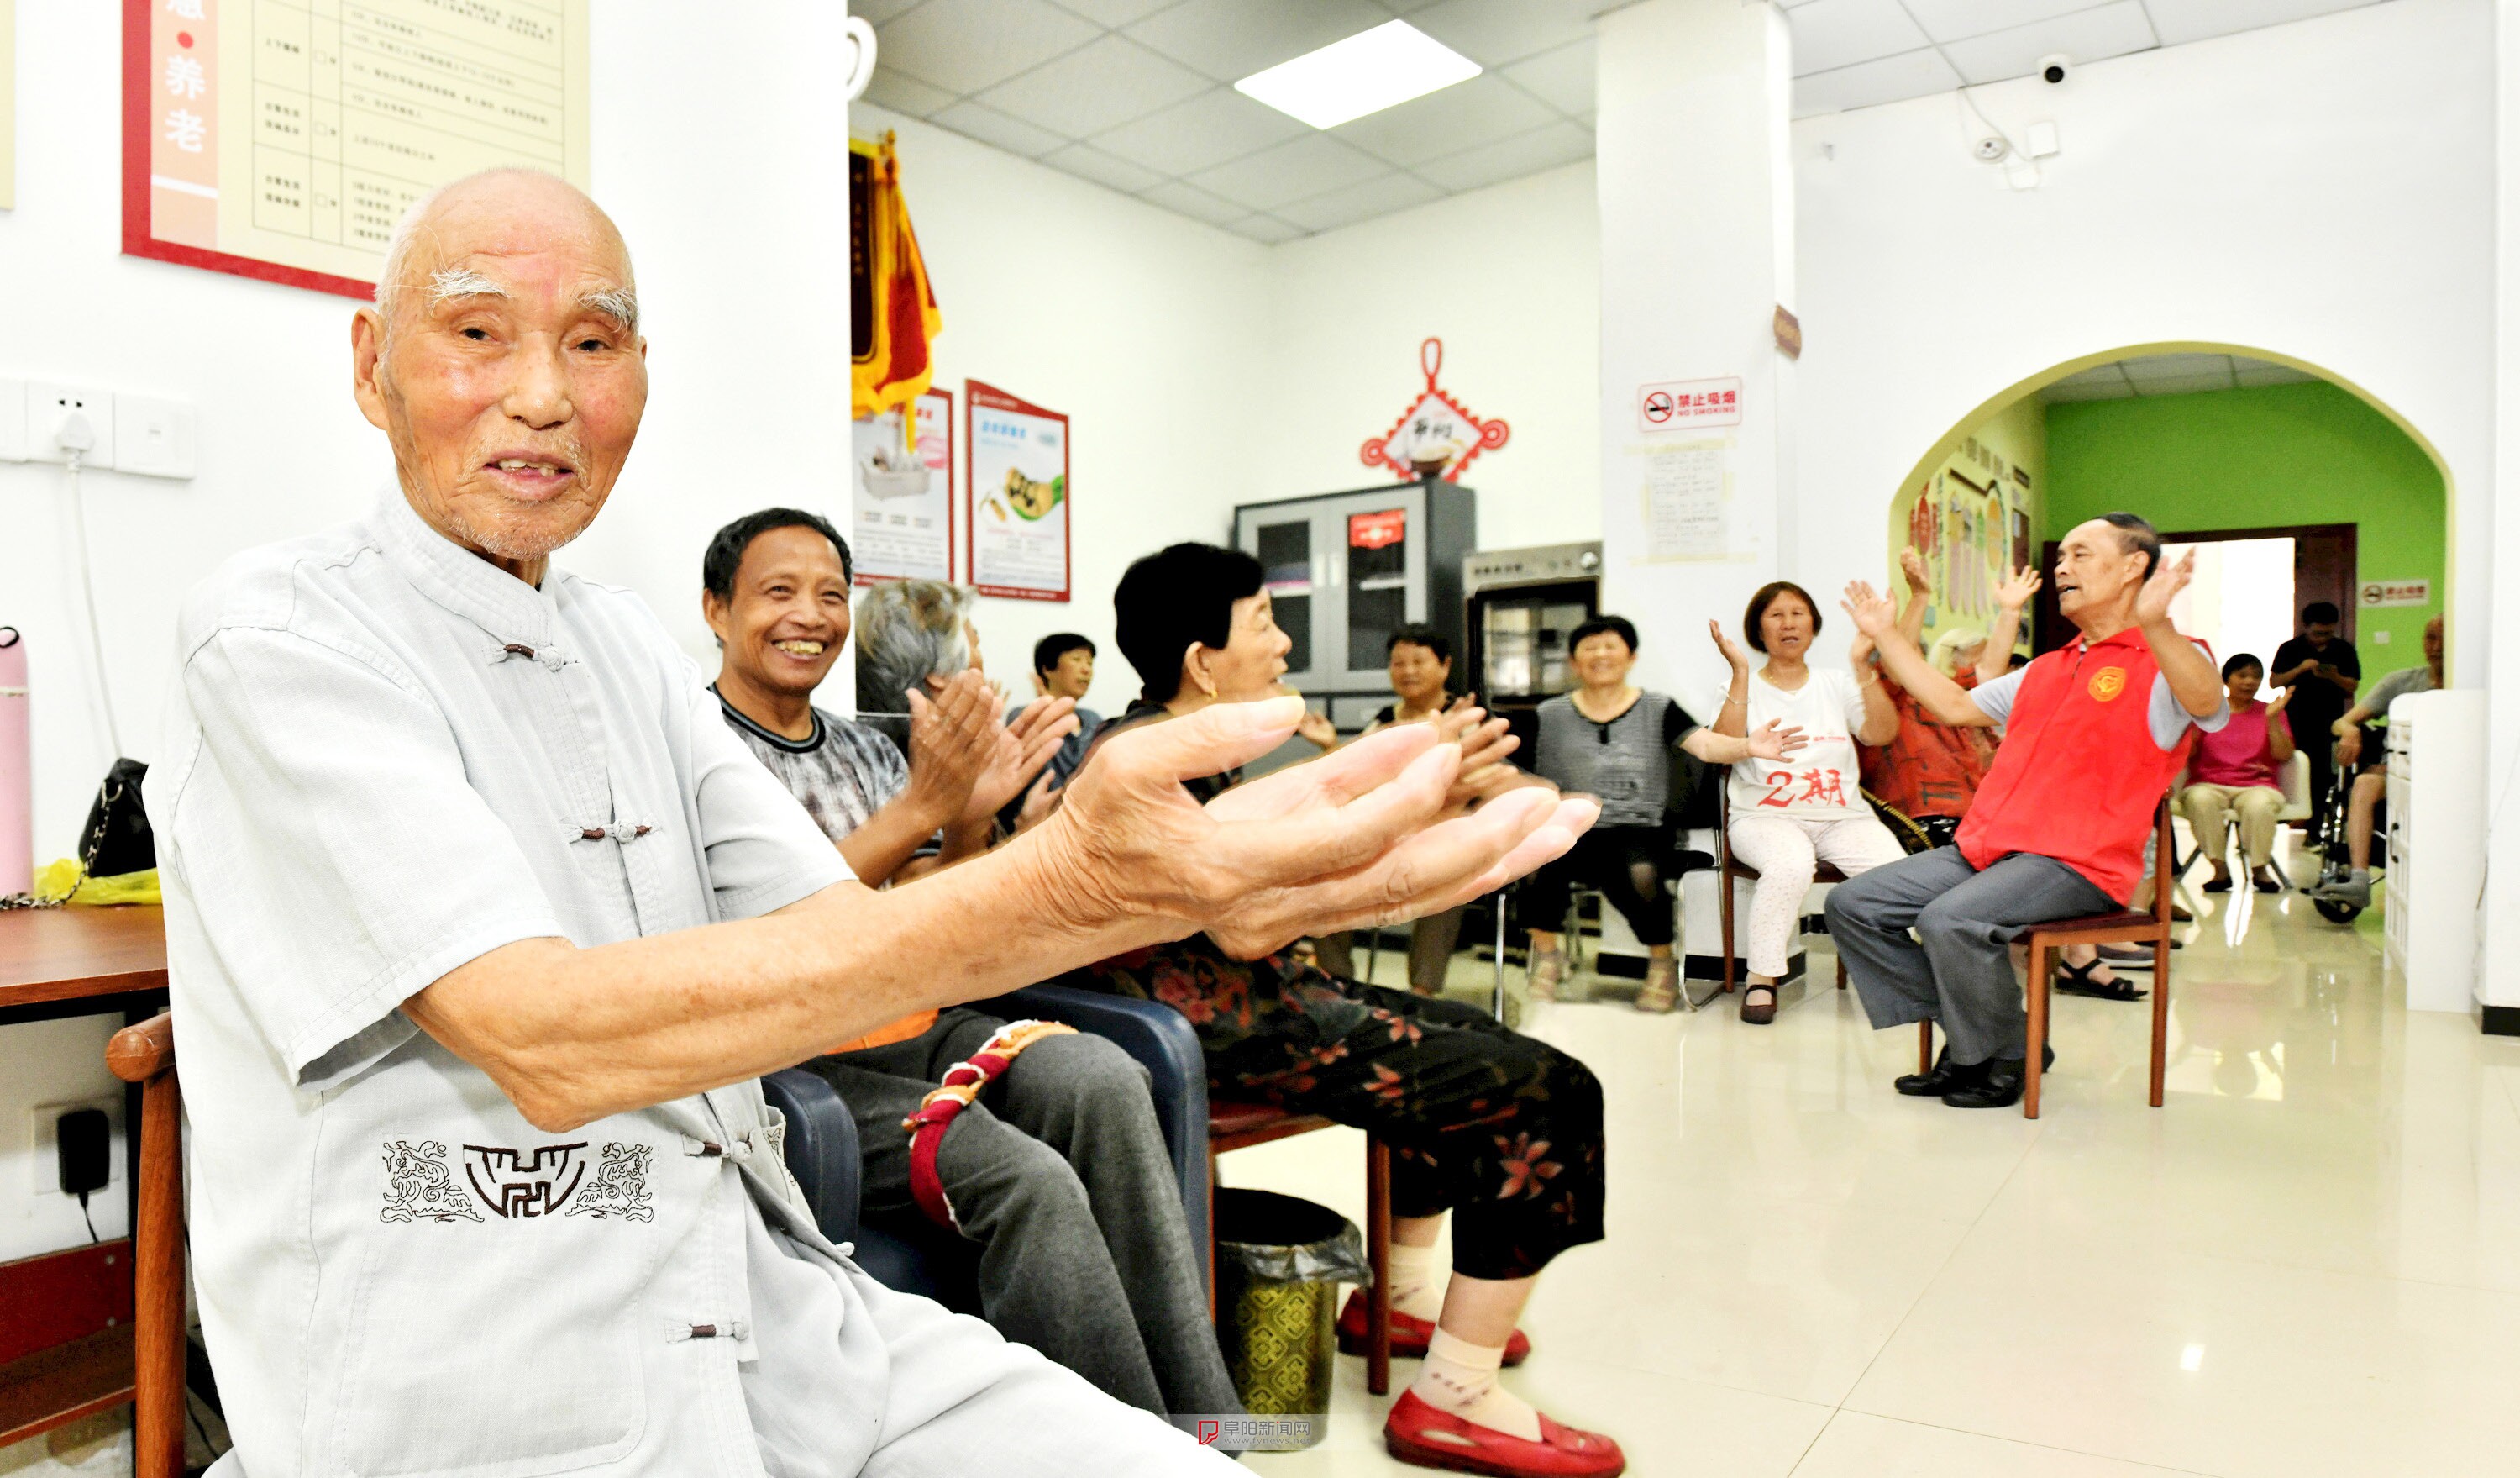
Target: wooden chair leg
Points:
(2160, 1014)
(1924, 1047)
(158, 1315)
(2038, 1035)
(1378, 1256)
(1841, 966)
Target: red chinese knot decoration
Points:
(1436, 435)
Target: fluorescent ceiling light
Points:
(1367, 72)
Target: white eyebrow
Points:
(620, 304)
(461, 282)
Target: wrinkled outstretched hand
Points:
(1357, 837)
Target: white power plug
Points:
(50, 438)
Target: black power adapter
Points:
(85, 1139)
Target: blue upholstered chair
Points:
(823, 1141)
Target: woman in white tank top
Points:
(1787, 817)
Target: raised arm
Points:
(1921, 593)
(1941, 697)
(2191, 674)
(2279, 745)
(1995, 659)
(571, 1035)
(1879, 720)
(1732, 718)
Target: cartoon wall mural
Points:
(1971, 516)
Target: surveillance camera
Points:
(2056, 69)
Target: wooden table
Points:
(55, 963)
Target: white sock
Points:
(1461, 1377)
(1414, 1289)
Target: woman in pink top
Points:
(2238, 769)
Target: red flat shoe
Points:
(1409, 1334)
(1418, 1433)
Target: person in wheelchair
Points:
(1622, 744)
(1058, 1171)
(2368, 763)
(2236, 773)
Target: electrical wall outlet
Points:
(44, 1165)
(152, 438)
(13, 420)
(50, 407)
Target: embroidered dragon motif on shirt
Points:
(620, 1187)
(418, 1187)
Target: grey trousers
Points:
(1059, 1174)
(1960, 974)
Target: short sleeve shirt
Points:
(385, 759)
(2314, 696)
(1625, 763)
(842, 773)
(1823, 779)
(2167, 720)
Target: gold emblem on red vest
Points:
(2107, 683)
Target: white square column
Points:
(1696, 183)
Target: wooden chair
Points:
(2126, 926)
(144, 1055)
(1730, 867)
(1233, 1125)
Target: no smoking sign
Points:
(1688, 404)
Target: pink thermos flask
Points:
(16, 769)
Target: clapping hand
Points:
(1872, 612)
(2014, 591)
(1912, 563)
(2282, 696)
(2168, 579)
(954, 736)
(1018, 752)
(1730, 649)
(1770, 742)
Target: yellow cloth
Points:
(890, 363)
(53, 879)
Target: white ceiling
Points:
(2170, 375)
(1138, 94)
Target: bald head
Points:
(495, 207)
(503, 360)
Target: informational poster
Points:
(1016, 480)
(901, 494)
(282, 139)
(8, 104)
(1685, 497)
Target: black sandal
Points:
(1762, 1014)
(2076, 980)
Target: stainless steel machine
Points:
(1519, 607)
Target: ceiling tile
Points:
(1292, 171)
(1528, 154)
(1957, 20)
(990, 126)
(2179, 20)
(2093, 390)
(2097, 374)
(1460, 116)
(1492, 33)
(1192, 202)
(1113, 12)
(1866, 84)
(878, 11)
(1561, 78)
(1092, 164)
(2151, 367)
(888, 88)
(1832, 33)
(1263, 228)
(2260, 372)
(2187, 385)
(1094, 87)
(966, 45)
(1203, 132)
(1231, 39)
(2091, 35)
(1363, 200)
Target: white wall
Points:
(2324, 190)
(1510, 279)
(1144, 327)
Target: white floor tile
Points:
(1858, 1446)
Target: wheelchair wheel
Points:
(2335, 912)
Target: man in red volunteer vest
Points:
(2094, 731)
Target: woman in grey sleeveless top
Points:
(1612, 741)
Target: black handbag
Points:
(117, 838)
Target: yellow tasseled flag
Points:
(892, 309)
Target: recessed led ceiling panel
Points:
(1367, 72)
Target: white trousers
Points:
(1785, 851)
